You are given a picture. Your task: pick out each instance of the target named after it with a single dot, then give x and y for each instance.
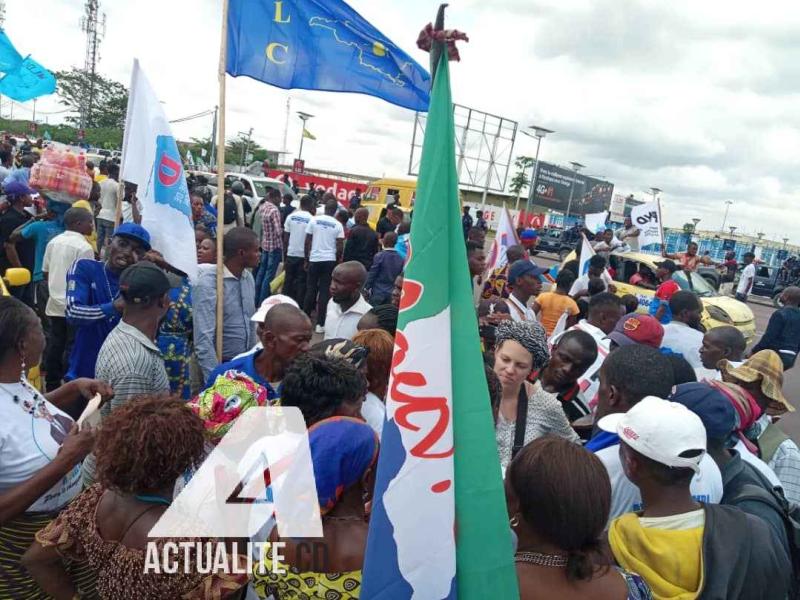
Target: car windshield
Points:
(699, 285)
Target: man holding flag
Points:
(439, 526)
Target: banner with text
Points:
(647, 217)
(554, 184)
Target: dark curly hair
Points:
(386, 314)
(565, 497)
(146, 444)
(15, 320)
(318, 385)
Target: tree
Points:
(236, 150)
(520, 179)
(109, 98)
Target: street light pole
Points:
(576, 166)
(303, 117)
(725, 218)
(539, 133)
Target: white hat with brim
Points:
(663, 431)
(267, 304)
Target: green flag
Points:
(439, 526)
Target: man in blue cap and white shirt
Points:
(525, 283)
(94, 306)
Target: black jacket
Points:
(740, 558)
(361, 245)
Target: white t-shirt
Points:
(683, 340)
(625, 497)
(582, 283)
(61, 252)
(759, 464)
(31, 433)
(325, 230)
(746, 280)
(296, 225)
(589, 382)
(344, 325)
(374, 412)
(632, 241)
(108, 199)
(519, 311)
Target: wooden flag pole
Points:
(221, 175)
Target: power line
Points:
(195, 116)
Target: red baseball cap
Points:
(637, 329)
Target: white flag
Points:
(587, 252)
(596, 222)
(189, 158)
(151, 160)
(647, 217)
(505, 236)
(561, 327)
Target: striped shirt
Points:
(271, 227)
(91, 290)
(785, 462)
(132, 365)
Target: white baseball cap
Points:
(660, 430)
(262, 311)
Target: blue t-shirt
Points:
(602, 440)
(245, 364)
(41, 232)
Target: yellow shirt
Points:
(666, 551)
(552, 307)
(92, 237)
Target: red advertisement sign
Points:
(343, 190)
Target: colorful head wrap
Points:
(219, 406)
(747, 409)
(765, 366)
(528, 334)
(342, 450)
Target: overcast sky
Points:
(701, 99)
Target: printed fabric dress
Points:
(174, 340)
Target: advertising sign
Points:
(553, 186)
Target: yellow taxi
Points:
(717, 310)
(17, 278)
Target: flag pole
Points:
(221, 174)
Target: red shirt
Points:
(667, 289)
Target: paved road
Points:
(762, 309)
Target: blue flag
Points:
(9, 57)
(321, 45)
(27, 81)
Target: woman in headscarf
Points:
(559, 498)
(142, 448)
(379, 362)
(526, 410)
(344, 452)
(761, 376)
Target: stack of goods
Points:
(61, 175)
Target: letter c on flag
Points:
(271, 52)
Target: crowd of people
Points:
(640, 453)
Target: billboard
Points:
(553, 186)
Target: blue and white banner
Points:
(321, 45)
(151, 160)
(24, 79)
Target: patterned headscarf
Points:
(747, 409)
(765, 366)
(341, 348)
(220, 405)
(342, 449)
(528, 334)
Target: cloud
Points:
(697, 98)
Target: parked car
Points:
(717, 310)
(255, 188)
(553, 241)
(768, 283)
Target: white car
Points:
(256, 188)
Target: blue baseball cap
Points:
(18, 188)
(711, 405)
(528, 234)
(524, 267)
(134, 232)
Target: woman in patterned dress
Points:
(175, 340)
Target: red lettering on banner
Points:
(414, 404)
(169, 170)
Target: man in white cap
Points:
(681, 547)
(284, 332)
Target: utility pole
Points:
(213, 139)
(244, 150)
(286, 125)
(576, 166)
(93, 24)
